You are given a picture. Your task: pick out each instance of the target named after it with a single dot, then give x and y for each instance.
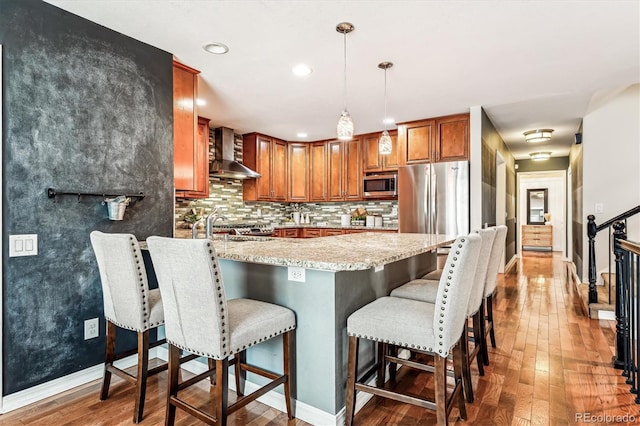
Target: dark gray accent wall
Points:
(577, 221)
(87, 109)
(553, 163)
(491, 143)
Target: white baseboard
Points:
(62, 384)
(511, 263)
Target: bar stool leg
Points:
(221, 390)
(241, 375)
(490, 316)
(466, 371)
(141, 377)
(457, 372)
(478, 338)
(172, 384)
(352, 368)
(110, 354)
(440, 375)
(287, 345)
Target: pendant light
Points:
(385, 145)
(345, 124)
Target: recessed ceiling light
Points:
(302, 70)
(201, 102)
(302, 135)
(215, 47)
(389, 121)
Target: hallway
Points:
(552, 365)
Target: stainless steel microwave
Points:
(382, 185)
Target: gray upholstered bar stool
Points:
(490, 288)
(426, 291)
(427, 328)
(129, 304)
(199, 319)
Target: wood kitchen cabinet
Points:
(434, 140)
(345, 171)
(318, 169)
(372, 160)
(298, 174)
(267, 156)
(190, 136)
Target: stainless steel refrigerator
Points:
(434, 198)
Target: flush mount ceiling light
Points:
(385, 145)
(302, 135)
(201, 102)
(540, 156)
(216, 48)
(538, 135)
(345, 124)
(389, 121)
(301, 70)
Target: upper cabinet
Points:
(267, 156)
(452, 138)
(318, 169)
(298, 173)
(345, 172)
(190, 136)
(372, 160)
(434, 140)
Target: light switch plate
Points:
(23, 245)
(296, 274)
(599, 208)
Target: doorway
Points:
(501, 199)
(555, 182)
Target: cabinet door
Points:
(184, 126)
(311, 232)
(372, 161)
(330, 232)
(452, 138)
(201, 162)
(352, 177)
(263, 166)
(298, 172)
(318, 168)
(418, 139)
(336, 191)
(279, 171)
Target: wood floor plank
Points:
(551, 365)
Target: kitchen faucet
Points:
(211, 220)
(194, 230)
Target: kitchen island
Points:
(323, 280)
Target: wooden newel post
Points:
(591, 233)
(622, 295)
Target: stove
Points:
(253, 229)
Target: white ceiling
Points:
(530, 64)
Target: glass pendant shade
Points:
(385, 145)
(345, 126)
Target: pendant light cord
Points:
(384, 119)
(344, 34)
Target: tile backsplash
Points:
(226, 194)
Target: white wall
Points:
(611, 166)
(556, 202)
(475, 167)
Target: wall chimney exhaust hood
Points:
(225, 165)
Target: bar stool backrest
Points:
(494, 262)
(454, 291)
(124, 282)
(193, 295)
(477, 292)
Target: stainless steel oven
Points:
(380, 185)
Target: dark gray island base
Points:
(352, 270)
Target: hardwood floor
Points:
(552, 364)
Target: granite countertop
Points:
(349, 252)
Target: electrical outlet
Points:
(91, 328)
(378, 268)
(296, 274)
(259, 212)
(394, 211)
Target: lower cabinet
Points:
(537, 237)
